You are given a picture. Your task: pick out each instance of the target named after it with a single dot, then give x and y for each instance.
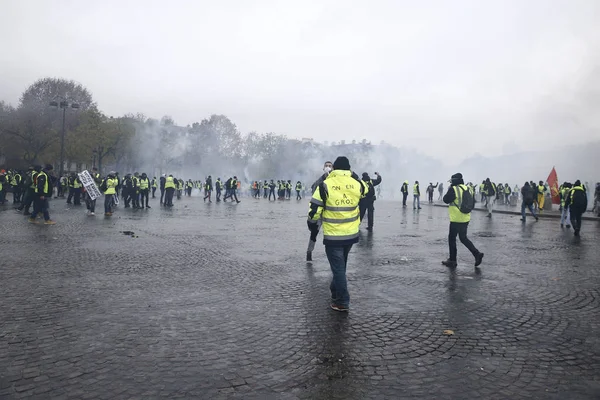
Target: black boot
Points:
(309, 256)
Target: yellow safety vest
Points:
(339, 211)
(454, 208)
(170, 183)
(416, 189)
(39, 174)
(111, 184)
(144, 183)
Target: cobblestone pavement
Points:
(216, 301)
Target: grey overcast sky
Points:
(443, 77)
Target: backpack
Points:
(528, 196)
(468, 201)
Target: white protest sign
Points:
(89, 184)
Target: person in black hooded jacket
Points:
(577, 201)
(367, 203)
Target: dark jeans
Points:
(576, 218)
(530, 207)
(266, 192)
(338, 259)
(144, 195)
(298, 197)
(218, 195)
(460, 229)
(40, 206)
(364, 206)
(108, 203)
(91, 204)
(28, 199)
(169, 192)
(232, 194)
(153, 192)
(272, 192)
(404, 197)
(207, 195)
(162, 195)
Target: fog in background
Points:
(504, 89)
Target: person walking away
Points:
(188, 188)
(529, 194)
(441, 191)
(404, 191)
(366, 204)
(29, 191)
(312, 240)
(416, 196)
(163, 179)
(208, 187)
(490, 193)
(43, 190)
(109, 187)
(565, 188)
(169, 190)
(482, 193)
(234, 188)
(340, 224)
(577, 201)
(461, 201)
(219, 187)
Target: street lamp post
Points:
(64, 105)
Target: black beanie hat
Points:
(365, 175)
(342, 163)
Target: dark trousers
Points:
(90, 204)
(108, 203)
(189, 191)
(298, 197)
(207, 195)
(40, 206)
(218, 194)
(272, 192)
(127, 197)
(338, 260)
(169, 192)
(266, 190)
(576, 218)
(27, 200)
(16, 194)
(404, 197)
(144, 194)
(364, 206)
(162, 195)
(153, 192)
(71, 195)
(460, 229)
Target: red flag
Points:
(553, 182)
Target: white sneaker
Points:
(92, 213)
